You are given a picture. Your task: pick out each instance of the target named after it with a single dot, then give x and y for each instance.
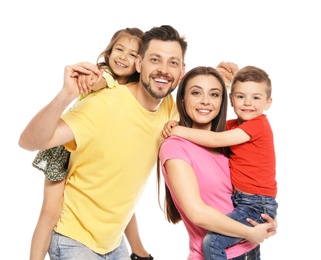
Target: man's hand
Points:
(227, 71)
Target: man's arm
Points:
(46, 129)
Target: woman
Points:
(198, 185)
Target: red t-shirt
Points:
(252, 164)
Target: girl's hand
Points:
(86, 74)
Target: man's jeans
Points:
(65, 248)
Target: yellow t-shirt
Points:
(115, 149)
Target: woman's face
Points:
(202, 100)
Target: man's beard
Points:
(153, 93)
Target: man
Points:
(114, 136)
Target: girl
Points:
(117, 67)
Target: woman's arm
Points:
(50, 212)
(185, 186)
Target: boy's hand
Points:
(166, 132)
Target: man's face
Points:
(161, 68)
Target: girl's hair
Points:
(134, 32)
(218, 125)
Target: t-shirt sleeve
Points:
(254, 127)
(84, 119)
(173, 148)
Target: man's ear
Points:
(183, 71)
(138, 63)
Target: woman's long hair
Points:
(218, 125)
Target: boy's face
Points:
(161, 68)
(249, 100)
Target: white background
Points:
(38, 38)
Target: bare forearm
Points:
(40, 130)
(210, 138)
(201, 137)
(213, 220)
(39, 133)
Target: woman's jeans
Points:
(65, 248)
(246, 206)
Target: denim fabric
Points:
(246, 206)
(253, 254)
(65, 248)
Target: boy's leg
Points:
(254, 254)
(247, 206)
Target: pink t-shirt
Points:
(213, 176)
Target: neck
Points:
(144, 98)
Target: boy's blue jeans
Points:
(246, 206)
(65, 248)
(254, 254)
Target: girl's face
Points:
(122, 57)
(249, 100)
(202, 100)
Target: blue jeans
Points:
(65, 248)
(246, 206)
(253, 254)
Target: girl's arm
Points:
(211, 139)
(50, 212)
(185, 186)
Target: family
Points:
(124, 118)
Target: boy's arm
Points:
(166, 132)
(211, 139)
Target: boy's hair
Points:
(255, 74)
(163, 33)
(134, 32)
